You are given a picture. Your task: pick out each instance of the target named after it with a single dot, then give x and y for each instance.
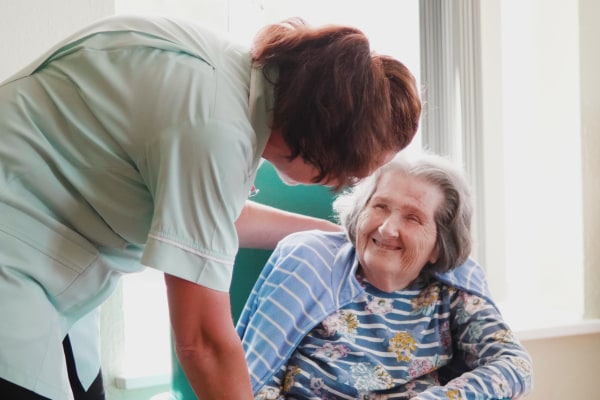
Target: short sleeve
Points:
(198, 176)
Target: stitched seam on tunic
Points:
(191, 250)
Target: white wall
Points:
(28, 27)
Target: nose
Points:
(390, 228)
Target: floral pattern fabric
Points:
(395, 346)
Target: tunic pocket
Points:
(46, 252)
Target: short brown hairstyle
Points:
(338, 105)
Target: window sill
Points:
(550, 331)
(535, 322)
(131, 382)
(163, 396)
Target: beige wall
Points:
(565, 368)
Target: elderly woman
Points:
(394, 309)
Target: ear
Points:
(435, 255)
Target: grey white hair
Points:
(452, 219)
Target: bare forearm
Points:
(216, 374)
(261, 226)
(207, 345)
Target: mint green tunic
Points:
(133, 143)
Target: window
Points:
(533, 132)
(502, 95)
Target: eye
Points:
(380, 206)
(413, 218)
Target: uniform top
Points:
(136, 138)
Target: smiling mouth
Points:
(385, 246)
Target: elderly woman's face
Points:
(396, 232)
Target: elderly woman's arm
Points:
(494, 364)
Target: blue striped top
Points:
(312, 329)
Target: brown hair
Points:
(338, 105)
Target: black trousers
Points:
(9, 390)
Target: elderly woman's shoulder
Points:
(314, 239)
(469, 276)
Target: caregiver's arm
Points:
(261, 226)
(206, 344)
